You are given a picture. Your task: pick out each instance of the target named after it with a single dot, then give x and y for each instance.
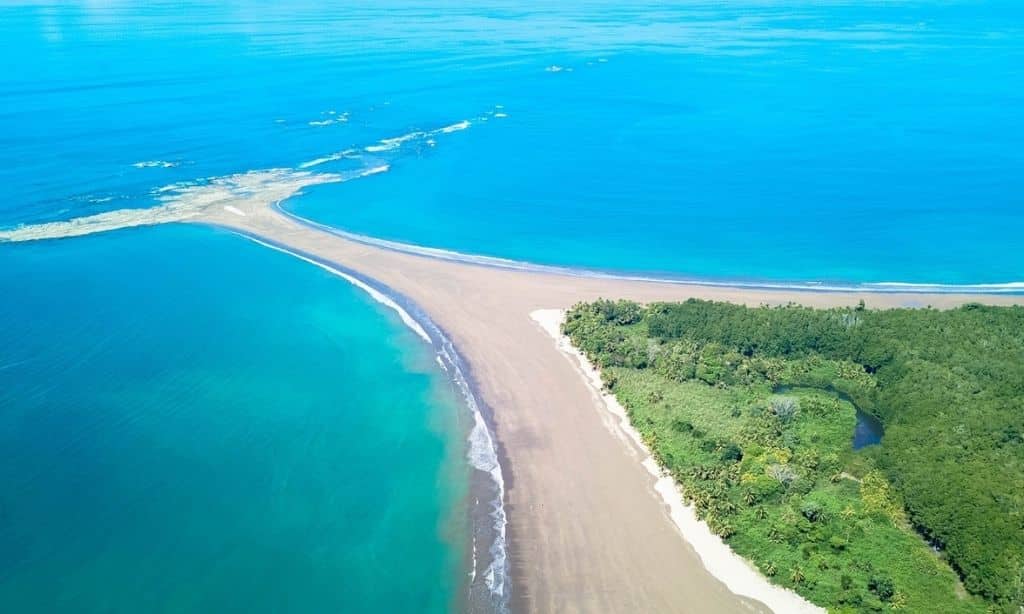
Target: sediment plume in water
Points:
(181, 203)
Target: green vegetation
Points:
(752, 411)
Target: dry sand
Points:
(738, 574)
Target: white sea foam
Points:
(374, 170)
(155, 164)
(455, 127)
(482, 451)
(395, 142)
(472, 564)
(554, 68)
(520, 265)
(332, 118)
(483, 456)
(426, 136)
(500, 115)
(375, 294)
(1011, 286)
(173, 187)
(731, 569)
(348, 153)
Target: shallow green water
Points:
(191, 422)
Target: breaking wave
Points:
(183, 201)
(482, 452)
(155, 164)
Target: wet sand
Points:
(588, 532)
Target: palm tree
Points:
(796, 575)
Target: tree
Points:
(882, 586)
(785, 408)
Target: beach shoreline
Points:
(485, 309)
(737, 573)
(586, 526)
(487, 587)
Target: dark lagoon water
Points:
(868, 431)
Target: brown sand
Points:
(587, 531)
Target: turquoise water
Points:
(191, 422)
(800, 141)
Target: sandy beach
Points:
(590, 522)
(589, 530)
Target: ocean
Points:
(783, 141)
(194, 422)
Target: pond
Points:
(867, 432)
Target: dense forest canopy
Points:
(752, 410)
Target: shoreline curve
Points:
(737, 573)
(483, 452)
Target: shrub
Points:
(811, 510)
(732, 453)
(882, 586)
(785, 408)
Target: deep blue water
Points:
(190, 422)
(840, 141)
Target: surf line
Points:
(494, 262)
(482, 452)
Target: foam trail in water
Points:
(373, 292)
(899, 286)
(348, 153)
(155, 164)
(483, 456)
(373, 170)
(482, 453)
(186, 200)
(454, 127)
(393, 143)
(329, 118)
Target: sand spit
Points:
(183, 202)
(590, 528)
